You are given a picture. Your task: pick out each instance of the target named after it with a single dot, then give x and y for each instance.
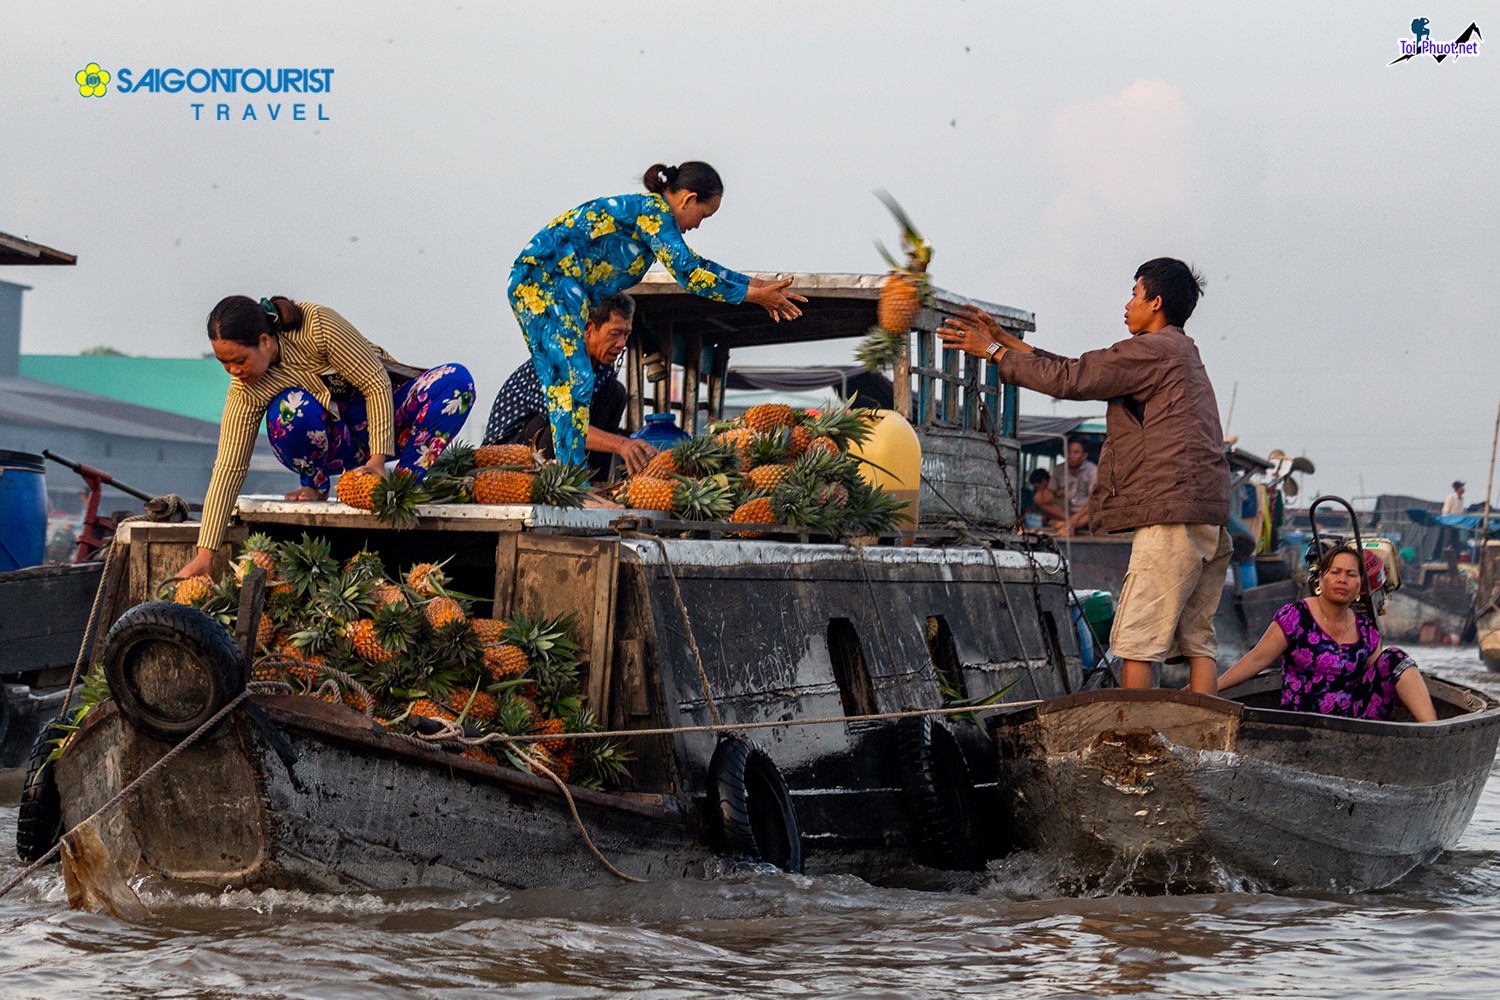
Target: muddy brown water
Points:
(1012, 934)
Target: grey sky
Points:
(1344, 212)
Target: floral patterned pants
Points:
(551, 310)
(313, 442)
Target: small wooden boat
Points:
(1170, 790)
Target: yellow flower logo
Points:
(701, 279)
(648, 223)
(92, 81)
(603, 225)
(533, 299)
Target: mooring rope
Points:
(687, 624)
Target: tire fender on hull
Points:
(750, 811)
(939, 794)
(170, 668)
(39, 819)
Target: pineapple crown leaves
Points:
(705, 455)
(346, 597)
(432, 577)
(560, 485)
(396, 496)
(547, 643)
(456, 645)
(365, 565)
(398, 627)
(440, 487)
(259, 541)
(769, 447)
(709, 499)
(845, 423)
(457, 461)
(307, 565)
(881, 349)
(320, 636)
(918, 250)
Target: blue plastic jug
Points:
(660, 431)
(23, 510)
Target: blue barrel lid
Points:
(22, 460)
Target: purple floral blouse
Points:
(1324, 676)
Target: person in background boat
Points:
(519, 415)
(1330, 654)
(1455, 502)
(603, 247)
(1162, 472)
(332, 401)
(1079, 477)
(1039, 502)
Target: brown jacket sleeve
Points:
(1121, 369)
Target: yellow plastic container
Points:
(894, 447)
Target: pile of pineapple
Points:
(774, 465)
(412, 645)
(491, 474)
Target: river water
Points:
(1436, 933)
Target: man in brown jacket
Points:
(1162, 471)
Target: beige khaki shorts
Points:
(1171, 592)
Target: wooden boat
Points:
(818, 640)
(1170, 789)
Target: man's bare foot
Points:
(306, 493)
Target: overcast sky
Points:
(1344, 211)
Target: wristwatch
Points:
(993, 349)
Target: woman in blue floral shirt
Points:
(603, 247)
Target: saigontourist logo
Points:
(239, 94)
(92, 81)
(1421, 43)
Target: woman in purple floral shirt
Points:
(1330, 656)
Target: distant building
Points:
(95, 410)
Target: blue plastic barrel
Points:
(23, 510)
(660, 431)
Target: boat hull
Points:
(1167, 789)
(358, 809)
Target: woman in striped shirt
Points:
(601, 248)
(332, 401)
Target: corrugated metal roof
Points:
(31, 403)
(189, 387)
(14, 250)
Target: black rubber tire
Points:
(39, 820)
(750, 810)
(939, 794)
(194, 634)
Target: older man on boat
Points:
(1162, 472)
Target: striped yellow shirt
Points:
(323, 344)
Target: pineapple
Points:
(363, 565)
(356, 488)
(518, 455)
(265, 632)
(344, 598)
(473, 705)
(769, 448)
(550, 727)
(388, 593)
(428, 579)
(798, 439)
(843, 425)
(503, 661)
(503, 486)
(259, 550)
(765, 478)
(644, 493)
(359, 701)
(488, 629)
(553, 656)
(439, 611)
(457, 646)
(740, 438)
(704, 455)
(480, 754)
(378, 640)
(560, 485)
(441, 488)
(905, 290)
(430, 709)
(194, 590)
(596, 761)
(766, 417)
(824, 443)
(516, 715)
(756, 510)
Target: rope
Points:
(583, 832)
(453, 734)
(687, 624)
(885, 636)
(122, 793)
(281, 661)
